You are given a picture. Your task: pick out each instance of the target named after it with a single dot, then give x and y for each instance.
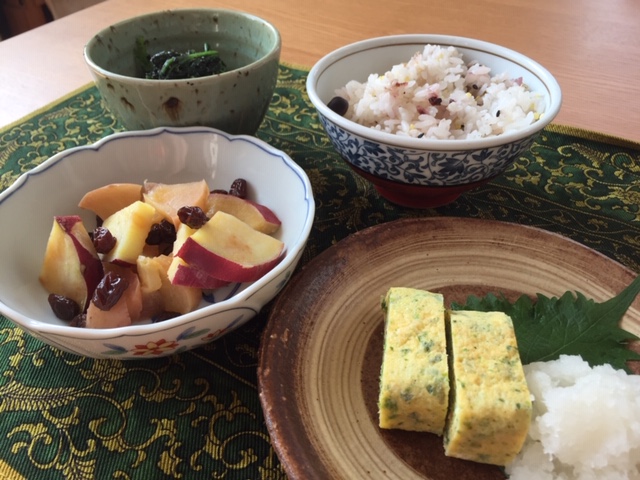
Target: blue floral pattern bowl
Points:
(403, 165)
(417, 167)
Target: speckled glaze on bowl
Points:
(234, 101)
(424, 163)
(167, 155)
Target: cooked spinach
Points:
(173, 64)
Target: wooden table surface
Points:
(591, 46)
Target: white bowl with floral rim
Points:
(168, 155)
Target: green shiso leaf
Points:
(569, 325)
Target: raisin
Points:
(79, 321)
(109, 291)
(435, 101)
(193, 217)
(238, 188)
(63, 307)
(103, 240)
(338, 105)
(161, 233)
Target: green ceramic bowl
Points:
(234, 101)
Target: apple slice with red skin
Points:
(167, 199)
(156, 287)
(130, 227)
(71, 265)
(183, 232)
(107, 200)
(231, 250)
(181, 273)
(256, 215)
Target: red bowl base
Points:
(417, 196)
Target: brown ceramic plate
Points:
(322, 348)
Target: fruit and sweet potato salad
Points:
(156, 248)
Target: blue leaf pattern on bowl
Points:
(418, 167)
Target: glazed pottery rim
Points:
(551, 85)
(273, 52)
(238, 300)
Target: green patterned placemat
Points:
(197, 414)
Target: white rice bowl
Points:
(585, 425)
(437, 95)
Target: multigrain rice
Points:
(437, 95)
